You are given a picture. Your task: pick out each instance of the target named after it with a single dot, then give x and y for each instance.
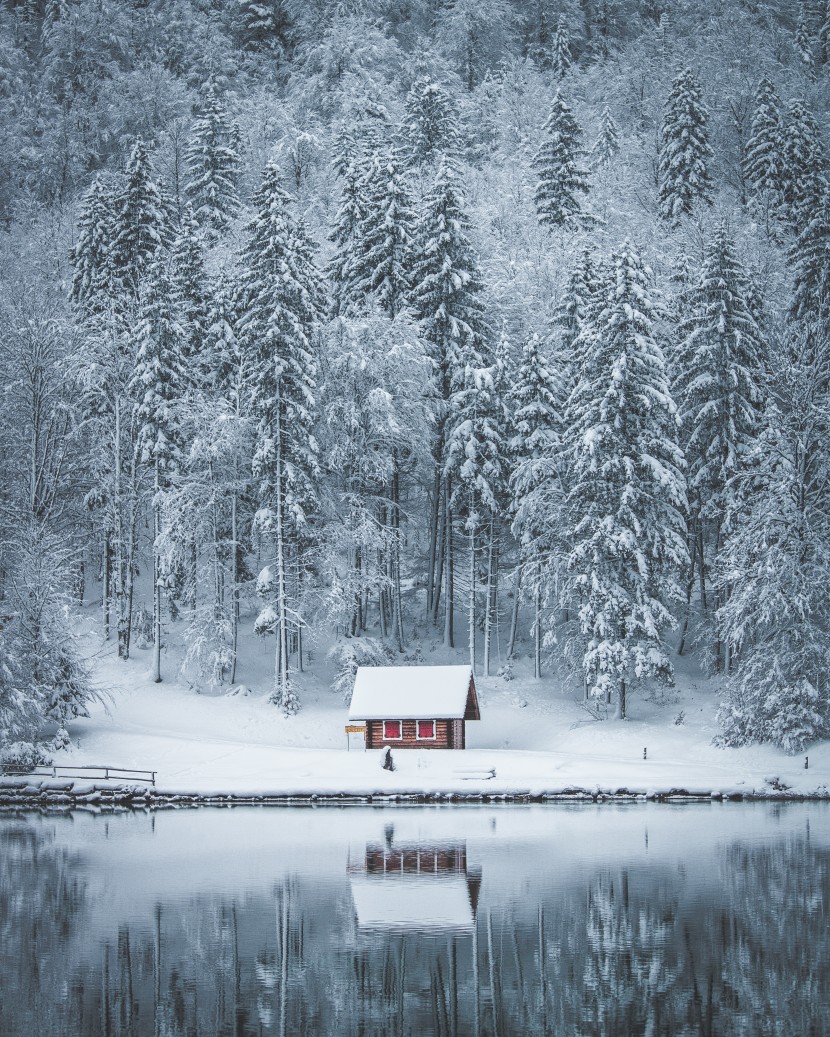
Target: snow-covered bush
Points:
(42, 677)
(23, 756)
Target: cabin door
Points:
(458, 734)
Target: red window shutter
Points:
(391, 729)
(426, 728)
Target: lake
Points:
(650, 919)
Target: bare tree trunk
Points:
(621, 703)
(537, 624)
(449, 583)
(281, 661)
(105, 584)
(156, 580)
(690, 584)
(514, 617)
(234, 588)
(433, 578)
(120, 561)
(471, 602)
(488, 614)
(397, 603)
(439, 575)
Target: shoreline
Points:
(17, 794)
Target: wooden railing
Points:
(71, 770)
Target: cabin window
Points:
(426, 729)
(391, 729)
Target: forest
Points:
(382, 319)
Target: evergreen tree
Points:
(264, 26)
(561, 178)
(776, 562)
(804, 165)
(810, 256)
(762, 159)
(684, 155)
(560, 59)
(536, 482)
(576, 315)
(447, 300)
(280, 304)
(140, 227)
(720, 367)
(607, 145)
(191, 292)
(350, 167)
(158, 376)
(627, 493)
(804, 41)
(476, 469)
(92, 286)
(213, 164)
(431, 123)
(538, 47)
(382, 260)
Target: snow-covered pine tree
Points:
(476, 469)
(160, 343)
(280, 304)
(626, 491)
(607, 145)
(431, 123)
(719, 388)
(92, 287)
(560, 56)
(375, 416)
(140, 227)
(446, 298)
(804, 165)
(538, 42)
(576, 314)
(810, 258)
(558, 166)
(536, 485)
(803, 40)
(776, 565)
(264, 26)
(191, 291)
(228, 363)
(762, 160)
(382, 261)
(213, 164)
(684, 152)
(351, 168)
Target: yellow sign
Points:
(355, 729)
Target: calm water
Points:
(704, 920)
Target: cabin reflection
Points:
(413, 886)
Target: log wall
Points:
(443, 736)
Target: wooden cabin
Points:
(413, 707)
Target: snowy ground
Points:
(533, 733)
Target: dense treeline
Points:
(403, 315)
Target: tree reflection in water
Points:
(625, 950)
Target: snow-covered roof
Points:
(412, 693)
(412, 902)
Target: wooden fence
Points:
(70, 770)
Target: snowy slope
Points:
(533, 733)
